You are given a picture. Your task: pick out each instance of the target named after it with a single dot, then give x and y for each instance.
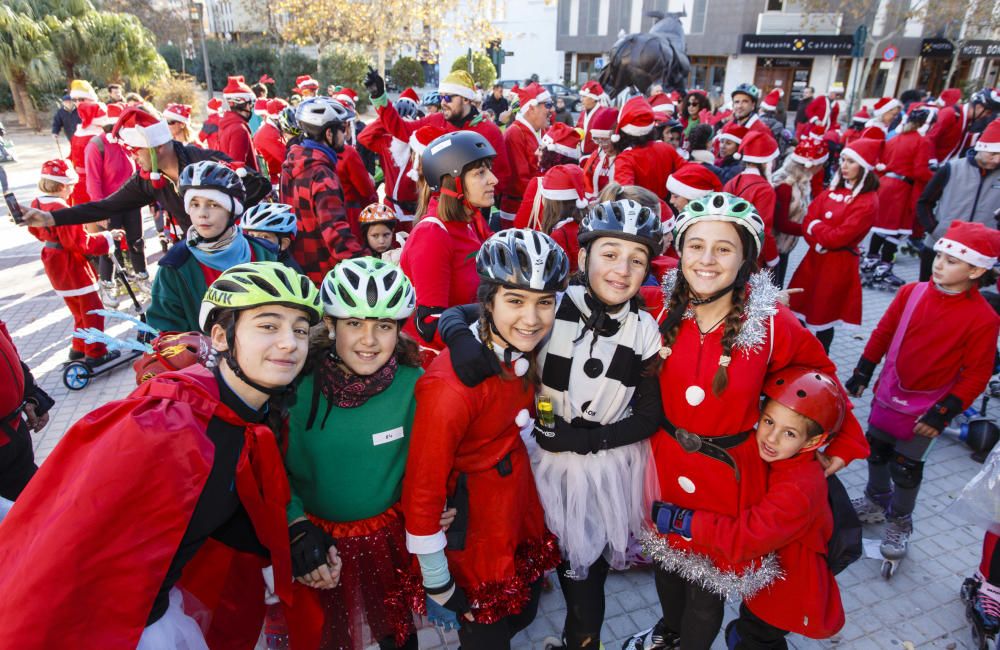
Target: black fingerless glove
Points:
(861, 377)
(457, 602)
(939, 415)
(309, 545)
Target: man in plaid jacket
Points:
(309, 184)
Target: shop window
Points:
(775, 5)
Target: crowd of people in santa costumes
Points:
(564, 371)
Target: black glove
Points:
(309, 545)
(861, 377)
(374, 84)
(939, 415)
(457, 602)
(564, 437)
(472, 361)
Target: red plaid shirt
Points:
(310, 185)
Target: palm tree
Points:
(23, 53)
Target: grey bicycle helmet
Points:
(623, 219)
(523, 258)
(451, 153)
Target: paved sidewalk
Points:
(918, 608)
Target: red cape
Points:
(88, 543)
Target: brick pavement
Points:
(918, 608)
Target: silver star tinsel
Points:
(700, 570)
(761, 305)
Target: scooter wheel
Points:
(888, 569)
(76, 375)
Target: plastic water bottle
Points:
(276, 628)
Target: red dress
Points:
(648, 166)
(833, 228)
(753, 187)
(697, 481)
(948, 134)
(358, 186)
(522, 143)
(908, 156)
(471, 432)
(598, 170)
(793, 518)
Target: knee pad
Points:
(906, 472)
(881, 452)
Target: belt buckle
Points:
(689, 442)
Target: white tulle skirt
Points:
(596, 504)
(175, 630)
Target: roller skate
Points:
(983, 611)
(912, 246)
(657, 637)
(108, 293)
(895, 539)
(141, 282)
(884, 279)
(552, 643)
(868, 264)
(871, 508)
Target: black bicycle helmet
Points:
(988, 97)
(523, 258)
(214, 177)
(451, 153)
(623, 219)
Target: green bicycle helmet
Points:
(722, 206)
(254, 284)
(367, 287)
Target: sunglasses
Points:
(549, 105)
(446, 99)
(694, 103)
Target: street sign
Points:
(889, 54)
(860, 35)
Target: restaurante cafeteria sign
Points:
(796, 44)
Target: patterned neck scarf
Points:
(347, 390)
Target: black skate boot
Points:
(982, 608)
(657, 637)
(868, 264)
(883, 278)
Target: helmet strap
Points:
(230, 358)
(510, 349)
(458, 193)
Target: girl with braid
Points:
(723, 333)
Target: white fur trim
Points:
(758, 159)
(571, 152)
(562, 195)
(145, 137)
(70, 177)
(456, 89)
(82, 94)
(221, 198)
(170, 115)
(988, 147)
(69, 293)
(674, 186)
(400, 151)
(413, 175)
(91, 130)
(730, 137)
(635, 130)
(246, 97)
(664, 108)
(808, 162)
(965, 253)
(856, 157)
(600, 133)
(423, 544)
(590, 95)
(879, 112)
(812, 224)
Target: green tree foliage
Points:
(482, 68)
(407, 71)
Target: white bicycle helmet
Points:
(367, 287)
(271, 217)
(523, 258)
(317, 114)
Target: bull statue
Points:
(641, 60)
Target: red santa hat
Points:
(214, 104)
(115, 110)
(602, 122)
(873, 132)
(306, 82)
(563, 139)
(989, 141)
(237, 91)
(810, 152)
(260, 106)
(138, 129)
(411, 95)
(884, 105)
(419, 140)
(531, 95)
(949, 97)
(770, 102)
(593, 90)
(636, 119)
(92, 114)
(347, 97)
(757, 147)
(862, 116)
(733, 132)
(264, 79)
(693, 181)
(564, 183)
(275, 106)
(177, 113)
(60, 171)
(974, 243)
(866, 152)
(662, 105)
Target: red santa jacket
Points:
(753, 187)
(78, 156)
(697, 481)
(402, 129)
(948, 134)
(522, 145)
(236, 141)
(833, 227)
(395, 160)
(108, 167)
(793, 519)
(565, 234)
(949, 336)
(12, 376)
(270, 143)
(648, 166)
(439, 258)
(472, 432)
(358, 186)
(209, 134)
(583, 123)
(527, 210)
(66, 248)
(908, 156)
(153, 445)
(598, 170)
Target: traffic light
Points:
(497, 55)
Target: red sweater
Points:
(521, 143)
(236, 141)
(949, 335)
(793, 519)
(270, 142)
(757, 190)
(648, 166)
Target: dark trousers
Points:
(927, 256)
(781, 269)
(17, 461)
(584, 605)
(390, 644)
(755, 634)
(882, 248)
(826, 338)
(131, 222)
(689, 610)
(497, 636)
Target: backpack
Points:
(845, 541)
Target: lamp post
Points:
(197, 15)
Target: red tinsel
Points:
(495, 600)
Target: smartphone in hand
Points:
(14, 207)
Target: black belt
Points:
(900, 177)
(52, 244)
(408, 207)
(711, 446)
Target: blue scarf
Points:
(223, 254)
(309, 143)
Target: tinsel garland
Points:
(761, 305)
(700, 570)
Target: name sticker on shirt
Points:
(387, 436)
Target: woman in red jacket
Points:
(723, 333)
(837, 221)
(803, 409)
(466, 451)
(438, 255)
(641, 159)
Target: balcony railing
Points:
(780, 23)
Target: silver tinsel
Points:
(761, 305)
(700, 570)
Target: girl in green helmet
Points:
(347, 448)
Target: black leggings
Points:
(497, 636)
(881, 243)
(584, 605)
(131, 221)
(755, 634)
(390, 644)
(17, 461)
(826, 338)
(927, 256)
(689, 610)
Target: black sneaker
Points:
(97, 362)
(75, 355)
